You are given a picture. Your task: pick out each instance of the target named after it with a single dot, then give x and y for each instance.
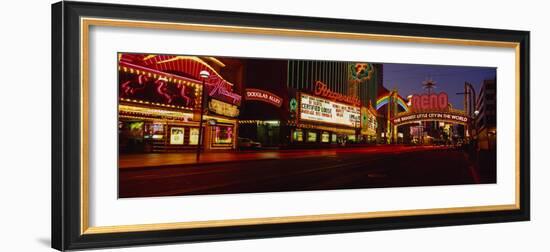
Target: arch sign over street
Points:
(448, 116)
(430, 107)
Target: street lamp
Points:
(474, 121)
(204, 75)
(476, 113)
(357, 129)
(470, 94)
(476, 137)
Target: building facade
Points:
(486, 119)
(160, 100)
(307, 103)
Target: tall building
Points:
(353, 79)
(303, 74)
(486, 119)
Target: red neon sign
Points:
(169, 94)
(322, 89)
(219, 88)
(431, 102)
(264, 96)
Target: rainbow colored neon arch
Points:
(386, 98)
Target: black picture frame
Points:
(66, 124)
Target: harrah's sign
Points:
(321, 89)
(430, 102)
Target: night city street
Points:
(195, 125)
(297, 170)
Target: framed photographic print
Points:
(178, 125)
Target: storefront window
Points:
(154, 130)
(298, 135)
(133, 130)
(131, 136)
(311, 136)
(223, 135)
(176, 135)
(325, 137)
(351, 138)
(194, 136)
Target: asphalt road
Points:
(349, 169)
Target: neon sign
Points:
(361, 71)
(170, 94)
(155, 90)
(322, 89)
(430, 102)
(293, 105)
(264, 96)
(435, 116)
(219, 88)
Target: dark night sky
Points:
(408, 78)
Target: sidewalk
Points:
(161, 159)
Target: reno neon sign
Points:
(430, 102)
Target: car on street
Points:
(247, 143)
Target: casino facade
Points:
(160, 101)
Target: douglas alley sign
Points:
(253, 94)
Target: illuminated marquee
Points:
(253, 94)
(170, 88)
(369, 123)
(322, 110)
(223, 108)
